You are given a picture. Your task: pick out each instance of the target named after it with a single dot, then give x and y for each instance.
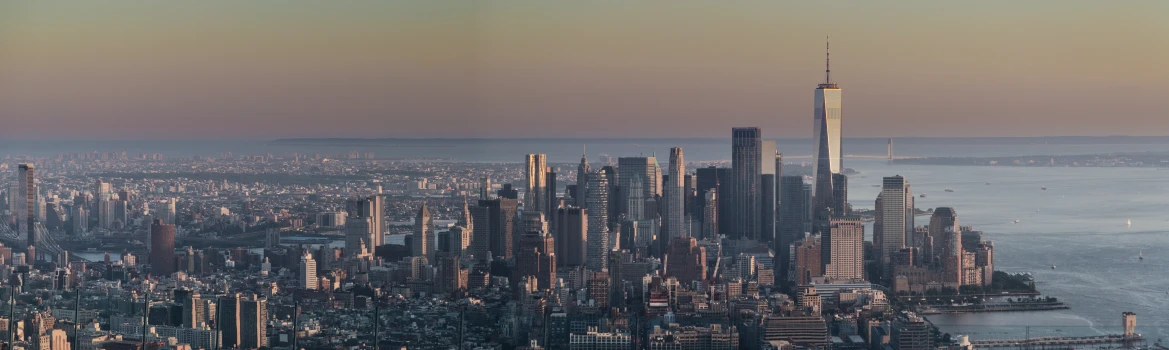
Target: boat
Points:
(949, 190)
(922, 195)
(1016, 221)
(1043, 188)
(1130, 223)
(988, 184)
(1141, 255)
(876, 185)
(1053, 267)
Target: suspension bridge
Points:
(46, 244)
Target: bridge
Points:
(46, 244)
(1054, 341)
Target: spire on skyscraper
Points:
(827, 62)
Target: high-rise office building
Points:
(582, 181)
(308, 271)
(227, 320)
(893, 223)
(793, 216)
(643, 170)
(842, 248)
(710, 216)
(485, 188)
(634, 200)
(746, 146)
(536, 177)
(26, 202)
(598, 222)
(162, 248)
(827, 124)
(840, 205)
(253, 322)
(685, 260)
(718, 179)
(767, 208)
(675, 217)
(947, 236)
(494, 222)
(807, 262)
(571, 236)
(536, 256)
(358, 232)
(423, 237)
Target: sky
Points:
(265, 69)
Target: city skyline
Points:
(456, 69)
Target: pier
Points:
(1055, 341)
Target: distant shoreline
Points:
(1099, 160)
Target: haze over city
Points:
(266, 69)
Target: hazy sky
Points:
(122, 69)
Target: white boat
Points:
(1053, 267)
(949, 190)
(1130, 223)
(1141, 255)
(1043, 188)
(1016, 221)
(922, 195)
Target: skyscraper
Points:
(358, 232)
(423, 234)
(842, 248)
(746, 146)
(894, 217)
(718, 179)
(370, 207)
(637, 169)
(710, 216)
(493, 222)
(26, 203)
(827, 123)
(485, 188)
(308, 271)
(162, 248)
(598, 222)
(675, 196)
(840, 195)
(582, 179)
(947, 237)
(536, 175)
(793, 217)
(536, 256)
(767, 208)
(571, 236)
(685, 260)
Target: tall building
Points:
(893, 222)
(358, 233)
(843, 252)
(685, 260)
(767, 208)
(485, 188)
(911, 333)
(308, 271)
(827, 125)
(710, 214)
(582, 181)
(793, 217)
(536, 175)
(947, 236)
(423, 237)
(227, 320)
(494, 222)
(718, 179)
(536, 255)
(746, 149)
(675, 197)
(840, 205)
(807, 262)
(645, 172)
(571, 232)
(598, 222)
(162, 248)
(253, 322)
(26, 203)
